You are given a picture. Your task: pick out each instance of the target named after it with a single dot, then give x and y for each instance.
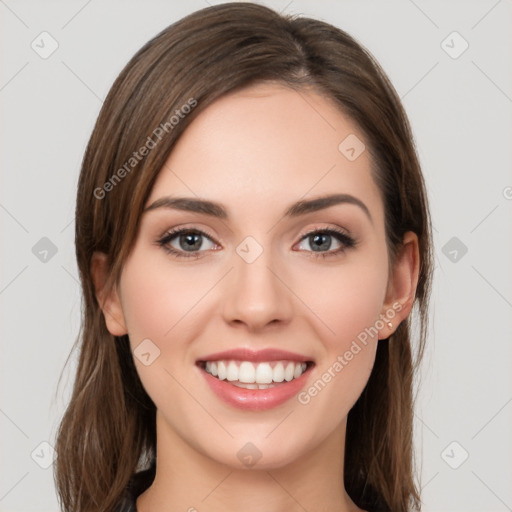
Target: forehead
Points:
(269, 145)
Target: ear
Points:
(402, 284)
(108, 299)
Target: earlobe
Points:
(402, 284)
(108, 298)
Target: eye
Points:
(186, 242)
(191, 243)
(321, 242)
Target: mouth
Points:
(249, 375)
(255, 380)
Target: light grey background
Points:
(460, 110)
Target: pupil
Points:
(321, 240)
(191, 241)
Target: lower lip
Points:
(255, 399)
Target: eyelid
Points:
(342, 235)
(346, 240)
(171, 234)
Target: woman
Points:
(252, 233)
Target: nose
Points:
(256, 294)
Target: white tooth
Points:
(246, 386)
(264, 373)
(297, 371)
(288, 372)
(278, 375)
(207, 367)
(247, 373)
(232, 371)
(221, 370)
(213, 368)
(265, 386)
(304, 366)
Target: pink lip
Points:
(256, 356)
(255, 399)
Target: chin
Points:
(259, 450)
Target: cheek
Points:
(158, 298)
(159, 304)
(347, 300)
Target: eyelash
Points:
(347, 242)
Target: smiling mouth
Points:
(255, 375)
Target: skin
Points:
(256, 152)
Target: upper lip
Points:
(256, 356)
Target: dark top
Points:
(137, 485)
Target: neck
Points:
(188, 480)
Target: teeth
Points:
(288, 373)
(232, 372)
(250, 375)
(264, 373)
(278, 373)
(221, 369)
(246, 373)
(252, 386)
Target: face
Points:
(257, 307)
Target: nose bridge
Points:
(255, 295)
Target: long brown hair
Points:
(108, 430)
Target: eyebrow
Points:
(213, 209)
